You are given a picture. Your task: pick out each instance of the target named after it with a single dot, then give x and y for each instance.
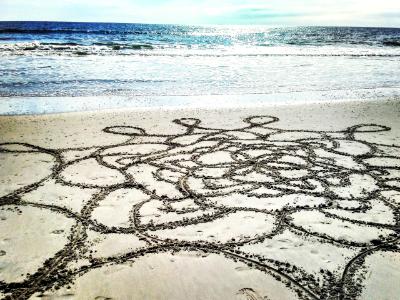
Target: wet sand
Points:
(272, 202)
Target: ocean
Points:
(53, 59)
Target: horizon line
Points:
(203, 25)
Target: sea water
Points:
(132, 61)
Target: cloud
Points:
(272, 12)
(261, 16)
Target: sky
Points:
(385, 13)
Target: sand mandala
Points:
(314, 212)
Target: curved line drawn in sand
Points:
(306, 207)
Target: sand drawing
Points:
(308, 208)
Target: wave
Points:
(146, 49)
(120, 46)
(61, 44)
(71, 31)
(113, 46)
(391, 43)
(67, 48)
(272, 55)
(81, 82)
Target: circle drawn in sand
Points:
(276, 200)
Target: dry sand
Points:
(273, 202)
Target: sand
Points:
(270, 202)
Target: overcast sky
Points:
(269, 12)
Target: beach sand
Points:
(270, 202)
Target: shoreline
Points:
(21, 105)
